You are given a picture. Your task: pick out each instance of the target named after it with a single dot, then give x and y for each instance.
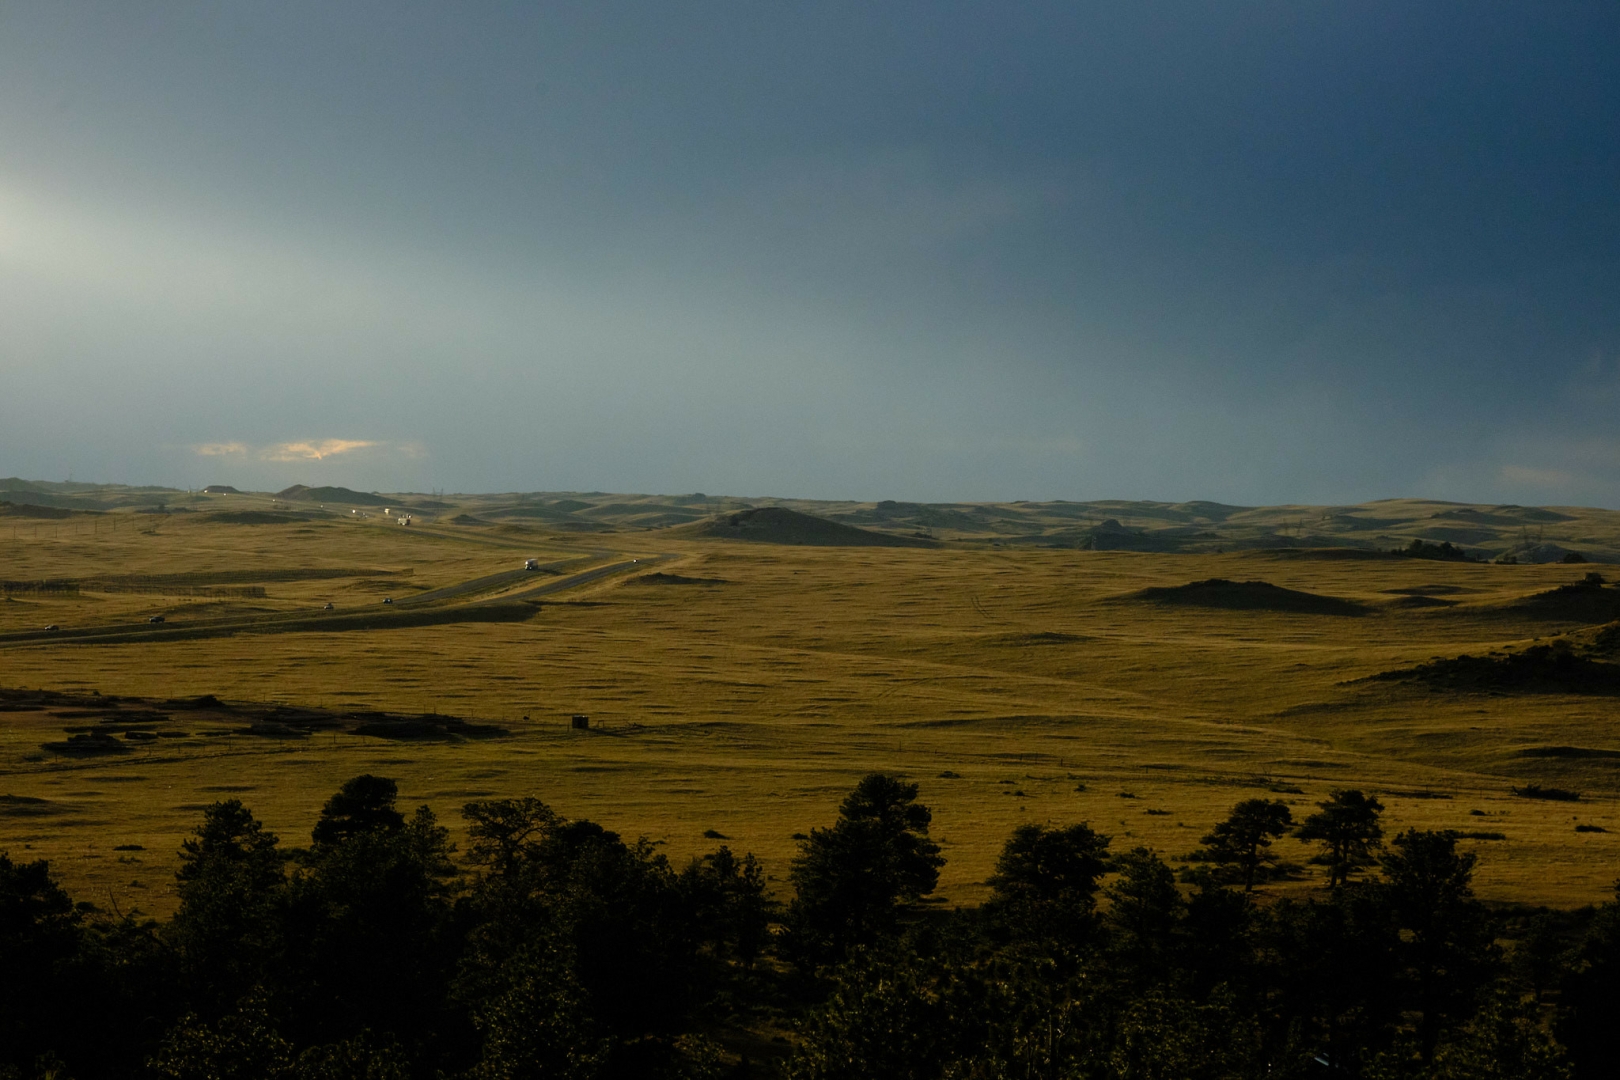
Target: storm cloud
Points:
(1257, 252)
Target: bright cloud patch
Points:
(220, 449)
(313, 451)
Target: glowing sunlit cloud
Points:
(313, 451)
(220, 449)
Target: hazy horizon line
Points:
(440, 493)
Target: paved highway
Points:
(587, 576)
(493, 581)
(369, 616)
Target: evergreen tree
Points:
(362, 805)
(1244, 839)
(1589, 1017)
(1217, 948)
(1162, 1037)
(1504, 1041)
(538, 1026)
(241, 1045)
(883, 1017)
(1347, 825)
(730, 908)
(367, 939)
(507, 833)
(853, 881)
(126, 990)
(363, 1057)
(1046, 881)
(1144, 917)
(229, 876)
(1333, 968)
(40, 933)
(591, 939)
(1447, 948)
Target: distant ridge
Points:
(1382, 529)
(778, 525)
(31, 510)
(331, 494)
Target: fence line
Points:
(74, 588)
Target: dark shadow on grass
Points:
(1247, 596)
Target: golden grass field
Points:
(749, 701)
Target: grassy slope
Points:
(751, 705)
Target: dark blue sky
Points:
(1257, 252)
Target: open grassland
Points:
(741, 688)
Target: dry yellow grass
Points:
(750, 704)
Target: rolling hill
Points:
(778, 525)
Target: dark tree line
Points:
(556, 949)
(1444, 551)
